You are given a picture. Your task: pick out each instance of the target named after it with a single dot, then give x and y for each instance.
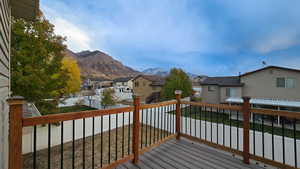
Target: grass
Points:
(76, 108)
(223, 118)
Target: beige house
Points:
(148, 87)
(265, 86)
(123, 82)
(18, 9)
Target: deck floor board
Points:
(185, 154)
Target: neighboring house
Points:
(218, 89)
(124, 84)
(273, 86)
(148, 87)
(17, 9)
(196, 83)
(96, 83)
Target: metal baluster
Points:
(73, 145)
(62, 145)
(168, 110)
(205, 121)
(142, 128)
(147, 127)
(254, 127)
(83, 145)
(34, 147)
(49, 146)
(116, 137)
(150, 126)
(123, 134)
(217, 126)
(101, 160)
(165, 121)
(283, 140)
(224, 134)
(295, 144)
(263, 135)
(109, 127)
(185, 115)
(154, 124)
(230, 132)
(237, 129)
(129, 134)
(195, 119)
(200, 132)
(93, 143)
(161, 123)
(190, 120)
(211, 126)
(273, 138)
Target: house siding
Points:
(144, 89)
(4, 79)
(262, 85)
(210, 96)
(223, 97)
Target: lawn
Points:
(76, 108)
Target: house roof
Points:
(156, 80)
(122, 79)
(27, 9)
(269, 67)
(223, 81)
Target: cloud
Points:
(77, 38)
(278, 41)
(205, 37)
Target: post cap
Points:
(246, 98)
(136, 96)
(178, 92)
(14, 100)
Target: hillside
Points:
(96, 64)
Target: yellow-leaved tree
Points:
(71, 67)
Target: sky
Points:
(204, 37)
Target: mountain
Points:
(97, 64)
(162, 72)
(156, 71)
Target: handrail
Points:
(53, 118)
(218, 106)
(276, 113)
(165, 103)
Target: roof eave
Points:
(26, 9)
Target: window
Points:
(136, 84)
(282, 82)
(211, 88)
(290, 83)
(230, 92)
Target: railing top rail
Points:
(218, 106)
(165, 103)
(288, 114)
(54, 118)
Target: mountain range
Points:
(97, 64)
(162, 72)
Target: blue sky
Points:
(211, 37)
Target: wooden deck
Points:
(185, 154)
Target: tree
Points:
(36, 63)
(108, 98)
(177, 80)
(71, 67)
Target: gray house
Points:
(270, 86)
(26, 9)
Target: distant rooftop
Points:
(222, 81)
